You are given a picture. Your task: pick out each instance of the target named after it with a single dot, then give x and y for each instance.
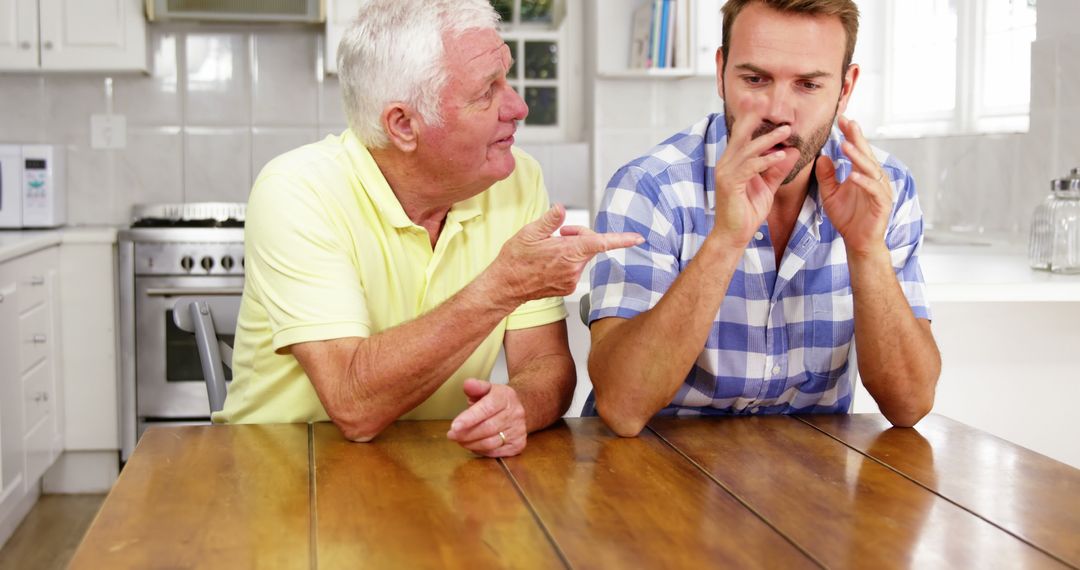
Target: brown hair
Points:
(846, 10)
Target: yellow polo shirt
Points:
(330, 253)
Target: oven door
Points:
(169, 383)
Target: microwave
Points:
(32, 186)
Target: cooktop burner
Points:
(189, 215)
(203, 223)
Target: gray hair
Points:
(393, 51)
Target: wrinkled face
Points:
(471, 149)
(786, 69)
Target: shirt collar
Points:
(378, 189)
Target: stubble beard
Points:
(808, 148)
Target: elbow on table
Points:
(360, 429)
(909, 415)
(624, 424)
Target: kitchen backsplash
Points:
(218, 103)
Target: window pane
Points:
(541, 60)
(536, 11)
(513, 73)
(924, 59)
(543, 105)
(505, 8)
(1010, 29)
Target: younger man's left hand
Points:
(860, 207)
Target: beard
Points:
(808, 147)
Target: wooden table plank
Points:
(230, 497)
(611, 502)
(414, 499)
(1028, 494)
(845, 509)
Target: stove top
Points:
(189, 215)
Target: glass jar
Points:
(1065, 217)
(1040, 242)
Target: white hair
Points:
(393, 51)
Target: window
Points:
(956, 66)
(540, 41)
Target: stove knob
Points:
(227, 262)
(187, 263)
(207, 263)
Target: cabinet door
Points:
(93, 34)
(339, 14)
(11, 406)
(18, 34)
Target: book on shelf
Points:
(660, 35)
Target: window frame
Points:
(968, 115)
(565, 32)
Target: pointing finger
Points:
(596, 243)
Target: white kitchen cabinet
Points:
(72, 35)
(31, 411)
(339, 14)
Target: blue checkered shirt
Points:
(782, 339)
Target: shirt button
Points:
(754, 410)
(775, 370)
(759, 236)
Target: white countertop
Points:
(15, 243)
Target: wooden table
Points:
(769, 492)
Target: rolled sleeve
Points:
(904, 240)
(627, 282)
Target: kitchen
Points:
(207, 104)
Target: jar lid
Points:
(1066, 184)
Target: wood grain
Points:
(611, 502)
(1028, 494)
(231, 497)
(846, 509)
(414, 499)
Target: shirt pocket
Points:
(832, 330)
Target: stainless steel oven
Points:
(161, 376)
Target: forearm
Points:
(898, 359)
(637, 367)
(395, 370)
(545, 388)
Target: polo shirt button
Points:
(775, 369)
(759, 236)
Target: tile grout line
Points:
(738, 498)
(937, 494)
(536, 515)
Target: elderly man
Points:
(772, 240)
(386, 266)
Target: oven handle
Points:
(192, 291)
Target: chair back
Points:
(583, 309)
(208, 317)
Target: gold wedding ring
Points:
(503, 436)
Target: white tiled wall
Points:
(218, 103)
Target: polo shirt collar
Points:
(378, 189)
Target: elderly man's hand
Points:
(494, 423)
(535, 264)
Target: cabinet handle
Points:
(47, 44)
(38, 339)
(1, 298)
(24, 45)
(41, 397)
(37, 280)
